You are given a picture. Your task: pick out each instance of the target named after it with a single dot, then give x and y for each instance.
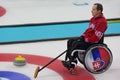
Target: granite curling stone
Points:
(19, 61)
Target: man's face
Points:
(94, 11)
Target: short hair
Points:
(99, 6)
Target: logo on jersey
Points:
(92, 26)
(98, 34)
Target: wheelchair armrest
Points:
(78, 50)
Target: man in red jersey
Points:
(93, 35)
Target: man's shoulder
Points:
(102, 19)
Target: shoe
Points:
(69, 65)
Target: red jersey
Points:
(96, 30)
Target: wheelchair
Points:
(96, 59)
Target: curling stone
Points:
(19, 61)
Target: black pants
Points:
(76, 43)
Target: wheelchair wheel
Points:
(98, 58)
